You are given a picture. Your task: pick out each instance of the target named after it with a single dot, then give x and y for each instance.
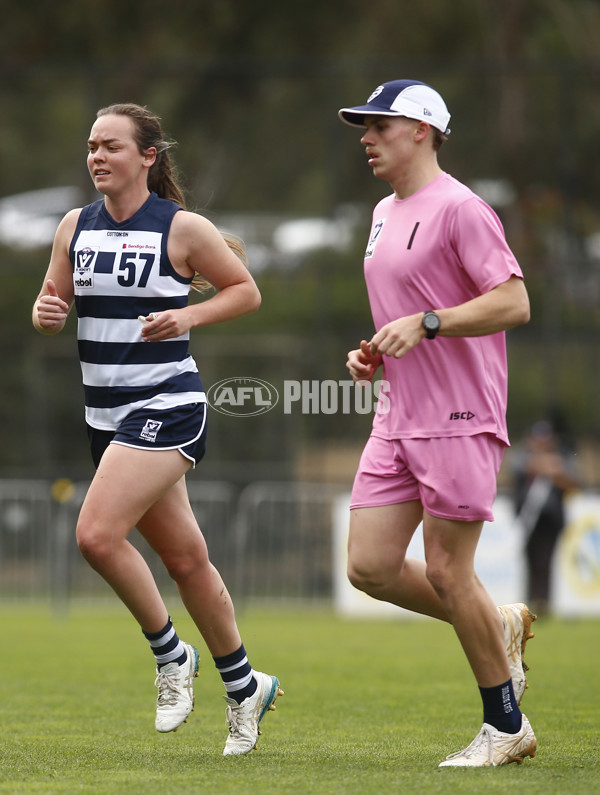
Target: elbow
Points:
(520, 310)
(518, 317)
(255, 300)
(523, 314)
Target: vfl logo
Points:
(461, 415)
(375, 232)
(84, 268)
(150, 430)
(375, 93)
(242, 397)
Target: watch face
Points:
(431, 322)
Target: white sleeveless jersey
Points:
(122, 271)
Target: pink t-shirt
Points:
(438, 248)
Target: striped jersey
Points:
(121, 271)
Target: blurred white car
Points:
(29, 220)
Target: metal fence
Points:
(270, 541)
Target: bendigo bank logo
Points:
(242, 397)
(84, 268)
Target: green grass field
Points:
(369, 707)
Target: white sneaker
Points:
(175, 685)
(517, 620)
(493, 748)
(244, 718)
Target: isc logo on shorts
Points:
(150, 430)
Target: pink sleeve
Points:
(480, 243)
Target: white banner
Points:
(576, 566)
(499, 561)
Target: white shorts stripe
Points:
(110, 419)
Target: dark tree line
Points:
(251, 92)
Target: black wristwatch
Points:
(431, 324)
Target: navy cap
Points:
(409, 98)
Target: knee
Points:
(368, 578)
(441, 578)
(181, 566)
(94, 545)
(357, 578)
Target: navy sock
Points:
(236, 673)
(500, 708)
(166, 646)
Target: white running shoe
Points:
(175, 685)
(517, 620)
(244, 718)
(493, 748)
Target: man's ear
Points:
(422, 131)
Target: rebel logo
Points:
(85, 259)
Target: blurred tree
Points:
(251, 93)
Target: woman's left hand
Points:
(165, 325)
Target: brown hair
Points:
(438, 139)
(162, 176)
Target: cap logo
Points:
(427, 112)
(375, 93)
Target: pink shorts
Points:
(454, 477)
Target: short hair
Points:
(439, 138)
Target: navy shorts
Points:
(181, 428)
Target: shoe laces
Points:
(233, 719)
(475, 746)
(168, 688)
(238, 716)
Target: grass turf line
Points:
(370, 706)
